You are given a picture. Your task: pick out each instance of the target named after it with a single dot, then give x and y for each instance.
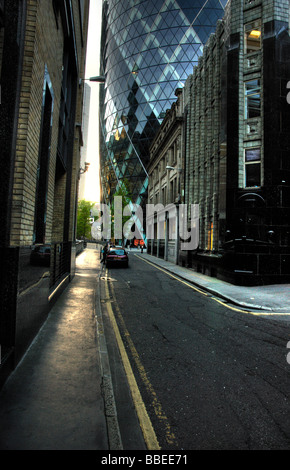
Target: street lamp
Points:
(84, 170)
(97, 78)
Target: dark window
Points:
(56, 9)
(65, 113)
(43, 164)
(253, 167)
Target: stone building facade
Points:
(206, 142)
(237, 143)
(42, 58)
(165, 179)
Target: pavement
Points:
(53, 399)
(60, 396)
(268, 298)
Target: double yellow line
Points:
(230, 307)
(144, 420)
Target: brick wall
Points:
(44, 45)
(35, 184)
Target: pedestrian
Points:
(104, 252)
(106, 249)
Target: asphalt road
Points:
(210, 378)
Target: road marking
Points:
(251, 312)
(170, 437)
(145, 423)
(172, 275)
(262, 313)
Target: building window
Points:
(252, 167)
(66, 109)
(43, 161)
(252, 99)
(253, 37)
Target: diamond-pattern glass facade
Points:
(149, 48)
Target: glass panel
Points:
(253, 86)
(252, 37)
(253, 106)
(253, 99)
(253, 155)
(163, 39)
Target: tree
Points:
(83, 219)
(124, 192)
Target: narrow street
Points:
(162, 126)
(210, 377)
(139, 360)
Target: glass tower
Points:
(148, 49)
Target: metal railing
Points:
(60, 261)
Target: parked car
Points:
(40, 255)
(117, 256)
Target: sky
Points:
(93, 69)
